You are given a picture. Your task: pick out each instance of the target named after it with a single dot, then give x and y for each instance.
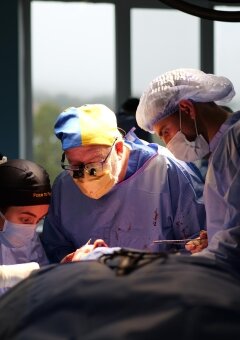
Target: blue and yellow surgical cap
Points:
(163, 94)
(86, 125)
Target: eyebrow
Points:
(98, 154)
(33, 215)
(100, 158)
(97, 159)
(28, 213)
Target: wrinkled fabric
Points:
(136, 160)
(179, 297)
(156, 201)
(221, 192)
(224, 249)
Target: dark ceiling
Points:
(205, 9)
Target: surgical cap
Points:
(163, 94)
(86, 125)
(23, 183)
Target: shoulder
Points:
(229, 145)
(62, 177)
(63, 180)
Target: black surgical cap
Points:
(22, 183)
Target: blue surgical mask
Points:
(16, 235)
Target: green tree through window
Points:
(47, 148)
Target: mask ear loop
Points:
(195, 123)
(180, 120)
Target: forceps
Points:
(173, 241)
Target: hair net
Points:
(23, 183)
(86, 125)
(163, 94)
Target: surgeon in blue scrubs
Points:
(118, 189)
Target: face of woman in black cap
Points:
(24, 194)
(27, 215)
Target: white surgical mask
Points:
(188, 151)
(16, 235)
(97, 186)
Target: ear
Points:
(119, 147)
(188, 107)
(1, 222)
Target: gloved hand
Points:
(3, 159)
(80, 253)
(11, 274)
(198, 244)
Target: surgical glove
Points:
(198, 244)
(11, 274)
(80, 253)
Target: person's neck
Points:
(124, 160)
(213, 118)
(222, 116)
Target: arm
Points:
(189, 215)
(224, 229)
(222, 186)
(222, 191)
(83, 252)
(10, 275)
(54, 239)
(198, 244)
(54, 242)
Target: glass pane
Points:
(73, 63)
(227, 52)
(168, 39)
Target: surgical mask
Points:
(16, 235)
(188, 151)
(97, 186)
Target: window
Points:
(227, 53)
(168, 39)
(73, 63)
(159, 45)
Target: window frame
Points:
(122, 52)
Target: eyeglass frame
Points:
(78, 170)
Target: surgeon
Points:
(116, 189)
(183, 107)
(24, 200)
